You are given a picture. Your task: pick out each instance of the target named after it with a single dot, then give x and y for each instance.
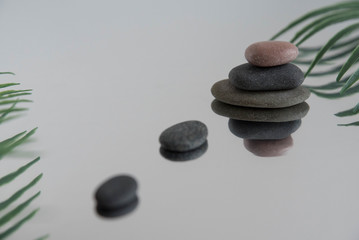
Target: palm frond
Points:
(349, 112)
(17, 225)
(7, 73)
(11, 176)
(19, 193)
(315, 13)
(336, 95)
(349, 124)
(330, 43)
(13, 213)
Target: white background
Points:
(109, 76)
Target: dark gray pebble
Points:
(253, 78)
(116, 193)
(184, 136)
(263, 130)
(184, 156)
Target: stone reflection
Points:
(269, 147)
(184, 156)
(266, 132)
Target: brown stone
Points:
(271, 53)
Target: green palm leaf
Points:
(331, 18)
(5, 85)
(327, 23)
(11, 143)
(350, 124)
(13, 213)
(315, 13)
(17, 225)
(330, 43)
(11, 176)
(328, 86)
(353, 79)
(344, 43)
(326, 60)
(354, 57)
(350, 92)
(349, 112)
(19, 193)
(7, 73)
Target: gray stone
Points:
(261, 114)
(253, 78)
(225, 92)
(184, 136)
(263, 130)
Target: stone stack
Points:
(263, 98)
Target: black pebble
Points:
(116, 196)
(263, 130)
(253, 78)
(184, 136)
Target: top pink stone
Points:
(271, 53)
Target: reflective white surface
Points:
(109, 76)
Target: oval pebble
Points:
(116, 192)
(263, 130)
(225, 92)
(271, 53)
(252, 78)
(261, 114)
(184, 136)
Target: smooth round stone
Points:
(261, 114)
(252, 78)
(268, 148)
(271, 53)
(184, 156)
(225, 92)
(263, 130)
(116, 192)
(184, 136)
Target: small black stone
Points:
(117, 192)
(263, 130)
(184, 136)
(253, 78)
(184, 156)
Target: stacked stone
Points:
(263, 98)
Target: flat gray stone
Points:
(263, 130)
(225, 92)
(261, 114)
(184, 136)
(253, 78)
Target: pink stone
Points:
(271, 53)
